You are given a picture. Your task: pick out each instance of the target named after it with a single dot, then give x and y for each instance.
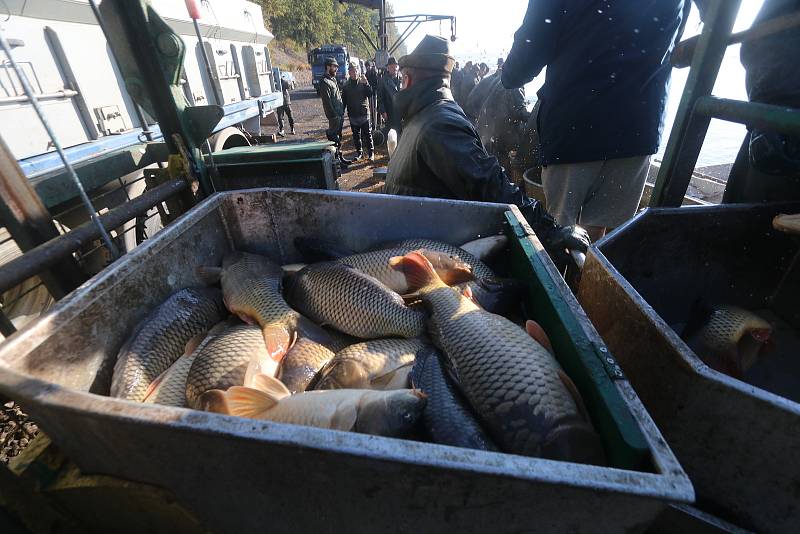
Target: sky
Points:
(486, 34)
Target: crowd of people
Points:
(596, 123)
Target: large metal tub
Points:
(241, 475)
(739, 442)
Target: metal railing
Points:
(698, 106)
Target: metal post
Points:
(40, 112)
(212, 76)
(689, 129)
(48, 254)
(30, 224)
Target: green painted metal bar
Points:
(689, 130)
(150, 58)
(96, 172)
(778, 119)
(269, 162)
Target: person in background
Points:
(389, 87)
(356, 94)
(469, 83)
(472, 107)
(602, 104)
(332, 104)
(440, 154)
(767, 168)
(286, 108)
(502, 119)
(372, 74)
(455, 79)
(373, 80)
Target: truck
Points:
(61, 48)
(317, 57)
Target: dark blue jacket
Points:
(607, 74)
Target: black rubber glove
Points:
(557, 240)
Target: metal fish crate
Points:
(739, 441)
(240, 475)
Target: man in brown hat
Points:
(441, 155)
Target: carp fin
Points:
(787, 223)
(151, 388)
(485, 248)
(213, 400)
(278, 341)
(538, 334)
(467, 293)
(417, 269)
(270, 385)
(193, 343)
(208, 275)
(248, 402)
(397, 378)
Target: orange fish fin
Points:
(536, 331)
(213, 400)
(397, 378)
(248, 402)
(277, 340)
(573, 391)
(466, 291)
(269, 384)
(193, 343)
(417, 269)
(154, 384)
(208, 275)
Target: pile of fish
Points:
(406, 340)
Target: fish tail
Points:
(417, 269)
(208, 275)
(248, 402)
(213, 400)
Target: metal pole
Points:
(211, 74)
(30, 224)
(47, 254)
(70, 171)
(779, 119)
(689, 129)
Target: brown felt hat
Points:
(432, 53)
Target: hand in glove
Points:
(557, 240)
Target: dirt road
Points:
(310, 124)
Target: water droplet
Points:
(636, 30)
(527, 40)
(613, 75)
(599, 10)
(655, 19)
(547, 21)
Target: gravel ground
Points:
(16, 431)
(310, 124)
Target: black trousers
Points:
(362, 135)
(288, 110)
